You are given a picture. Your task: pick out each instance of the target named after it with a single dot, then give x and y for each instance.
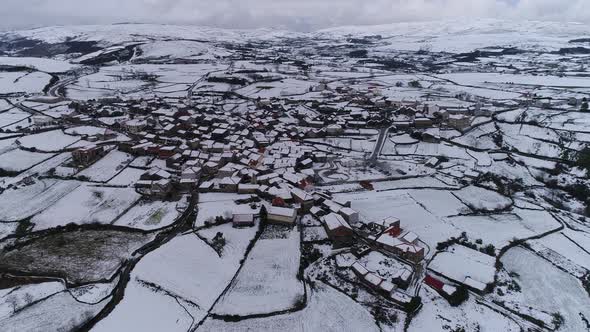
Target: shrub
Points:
(461, 295)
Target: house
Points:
(135, 126)
(433, 282)
(359, 269)
(459, 121)
(422, 122)
(387, 287)
(351, 216)
(475, 285)
(281, 215)
(373, 280)
(317, 212)
(385, 224)
(42, 121)
(430, 138)
(193, 172)
(334, 129)
(159, 188)
(229, 184)
(400, 297)
(243, 220)
(166, 152)
(402, 278)
(338, 230)
(246, 188)
(303, 198)
(155, 174)
(88, 154)
(406, 247)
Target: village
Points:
(241, 186)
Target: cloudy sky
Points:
(291, 14)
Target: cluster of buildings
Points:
(388, 236)
(392, 289)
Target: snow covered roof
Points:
(280, 211)
(334, 221)
(359, 268)
(480, 286)
(373, 279)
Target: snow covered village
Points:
(404, 177)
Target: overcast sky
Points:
(291, 14)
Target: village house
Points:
(243, 220)
(303, 198)
(229, 184)
(41, 121)
(135, 126)
(338, 230)
(351, 216)
(459, 122)
(360, 270)
(406, 246)
(88, 154)
(281, 215)
(157, 189)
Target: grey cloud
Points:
(290, 14)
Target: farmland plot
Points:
(327, 310)
(87, 204)
(552, 291)
(78, 256)
(24, 202)
(18, 160)
(437, 315)
(147, 309)
(107, 167)
(149, 215)
(42, 316)
(49, 141)
(267, 282)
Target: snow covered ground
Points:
(268, 280)
(327, 310)
(87, 204)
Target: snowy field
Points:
(50, 141)
(87, 204)
(327, 310)
(107, 167)
(212, 205)
(18, 160)
(268, 280)
(459, 262)
(149, 215)
(26, 201)
(23, 82)
(553, 290)
(41, 64)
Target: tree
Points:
(584, 106)
(583, 159)
(263, 215)
(460, 296)
(415, 84)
